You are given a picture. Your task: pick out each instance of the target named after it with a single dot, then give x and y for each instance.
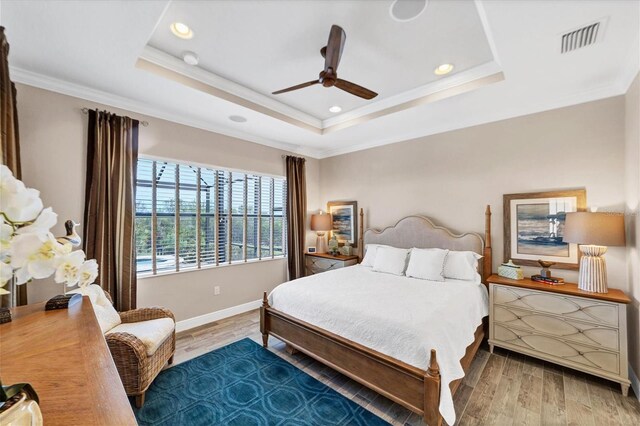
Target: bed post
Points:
(361, 235)
(487, 261)
(263, 320)
(432, 380)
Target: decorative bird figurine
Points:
(72, 236)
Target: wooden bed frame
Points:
(414, 388)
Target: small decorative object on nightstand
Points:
(562, 324)
(322, 262)
(321, 223)
(510, 270)
(594, 232)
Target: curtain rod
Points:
(86, 111)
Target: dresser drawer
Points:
(564, 328)
(315, 265)
(557, 348)
(593, 311)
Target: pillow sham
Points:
(462, 265)
(390, 260)
(370, 254)
(427, 264)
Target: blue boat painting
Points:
(540, 230)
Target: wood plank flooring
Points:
(504, 388)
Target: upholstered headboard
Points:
(421, 232)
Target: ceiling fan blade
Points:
(299, 86)
(354, 89)
(335, 45)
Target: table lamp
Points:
(594, 232)
(321, 223)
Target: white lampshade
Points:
(601, 229)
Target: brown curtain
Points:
(109, 212)
(296, 215)
(10, 146)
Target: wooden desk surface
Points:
(331, 256)
(66, 359)
(614, 295)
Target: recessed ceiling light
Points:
(190, 58)
(181, 30)
(237, 118)
(335, 108)
(407, 10)
(443, 69)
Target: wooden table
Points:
(64, 356)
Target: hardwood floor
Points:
(504, 388)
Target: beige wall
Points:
(452, 176)
(53, 142)
(632, 186)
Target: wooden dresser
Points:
(322, 262)
(562, 324)
(64, 356)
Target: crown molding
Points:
(601, 92)
(631, 65)
(166, 66)
(64, 87)
(226, 88)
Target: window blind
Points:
(192, 217)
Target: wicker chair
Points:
(137, 369)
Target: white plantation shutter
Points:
(279, 213)
(265, 216)
(252, 228)
(165, 206)
(192, 217)
(144, 216)
(208, 218)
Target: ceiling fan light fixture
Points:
(181, 30)
(443, 69)
(407, 10)
(335, 109)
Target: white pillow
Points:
(427, 264)
(370, 254)
(390, 260)
(105, 312)
(462, 265)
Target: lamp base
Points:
(321, 243)
(593, 269)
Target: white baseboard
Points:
(635, 383)
(217, 315)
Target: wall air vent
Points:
(582, 37)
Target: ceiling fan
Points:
(332, 53)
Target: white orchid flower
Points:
(6, 232)
(88, 273)
(33, 258)
(42, 225)
(18, 203)
(6, 272)
(68, 268)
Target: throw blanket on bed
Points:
(398, 316)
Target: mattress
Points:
(398, 316)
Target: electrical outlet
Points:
(216, 290)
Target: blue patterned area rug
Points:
(245, 384)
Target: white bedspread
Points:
(398, 316)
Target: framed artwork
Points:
(534, 227)
(345, 221)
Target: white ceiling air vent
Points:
(582, 37)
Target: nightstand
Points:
(323, 262)
(562, 324)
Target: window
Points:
(189, 217)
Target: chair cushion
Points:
(106, 314)
(151, 333)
